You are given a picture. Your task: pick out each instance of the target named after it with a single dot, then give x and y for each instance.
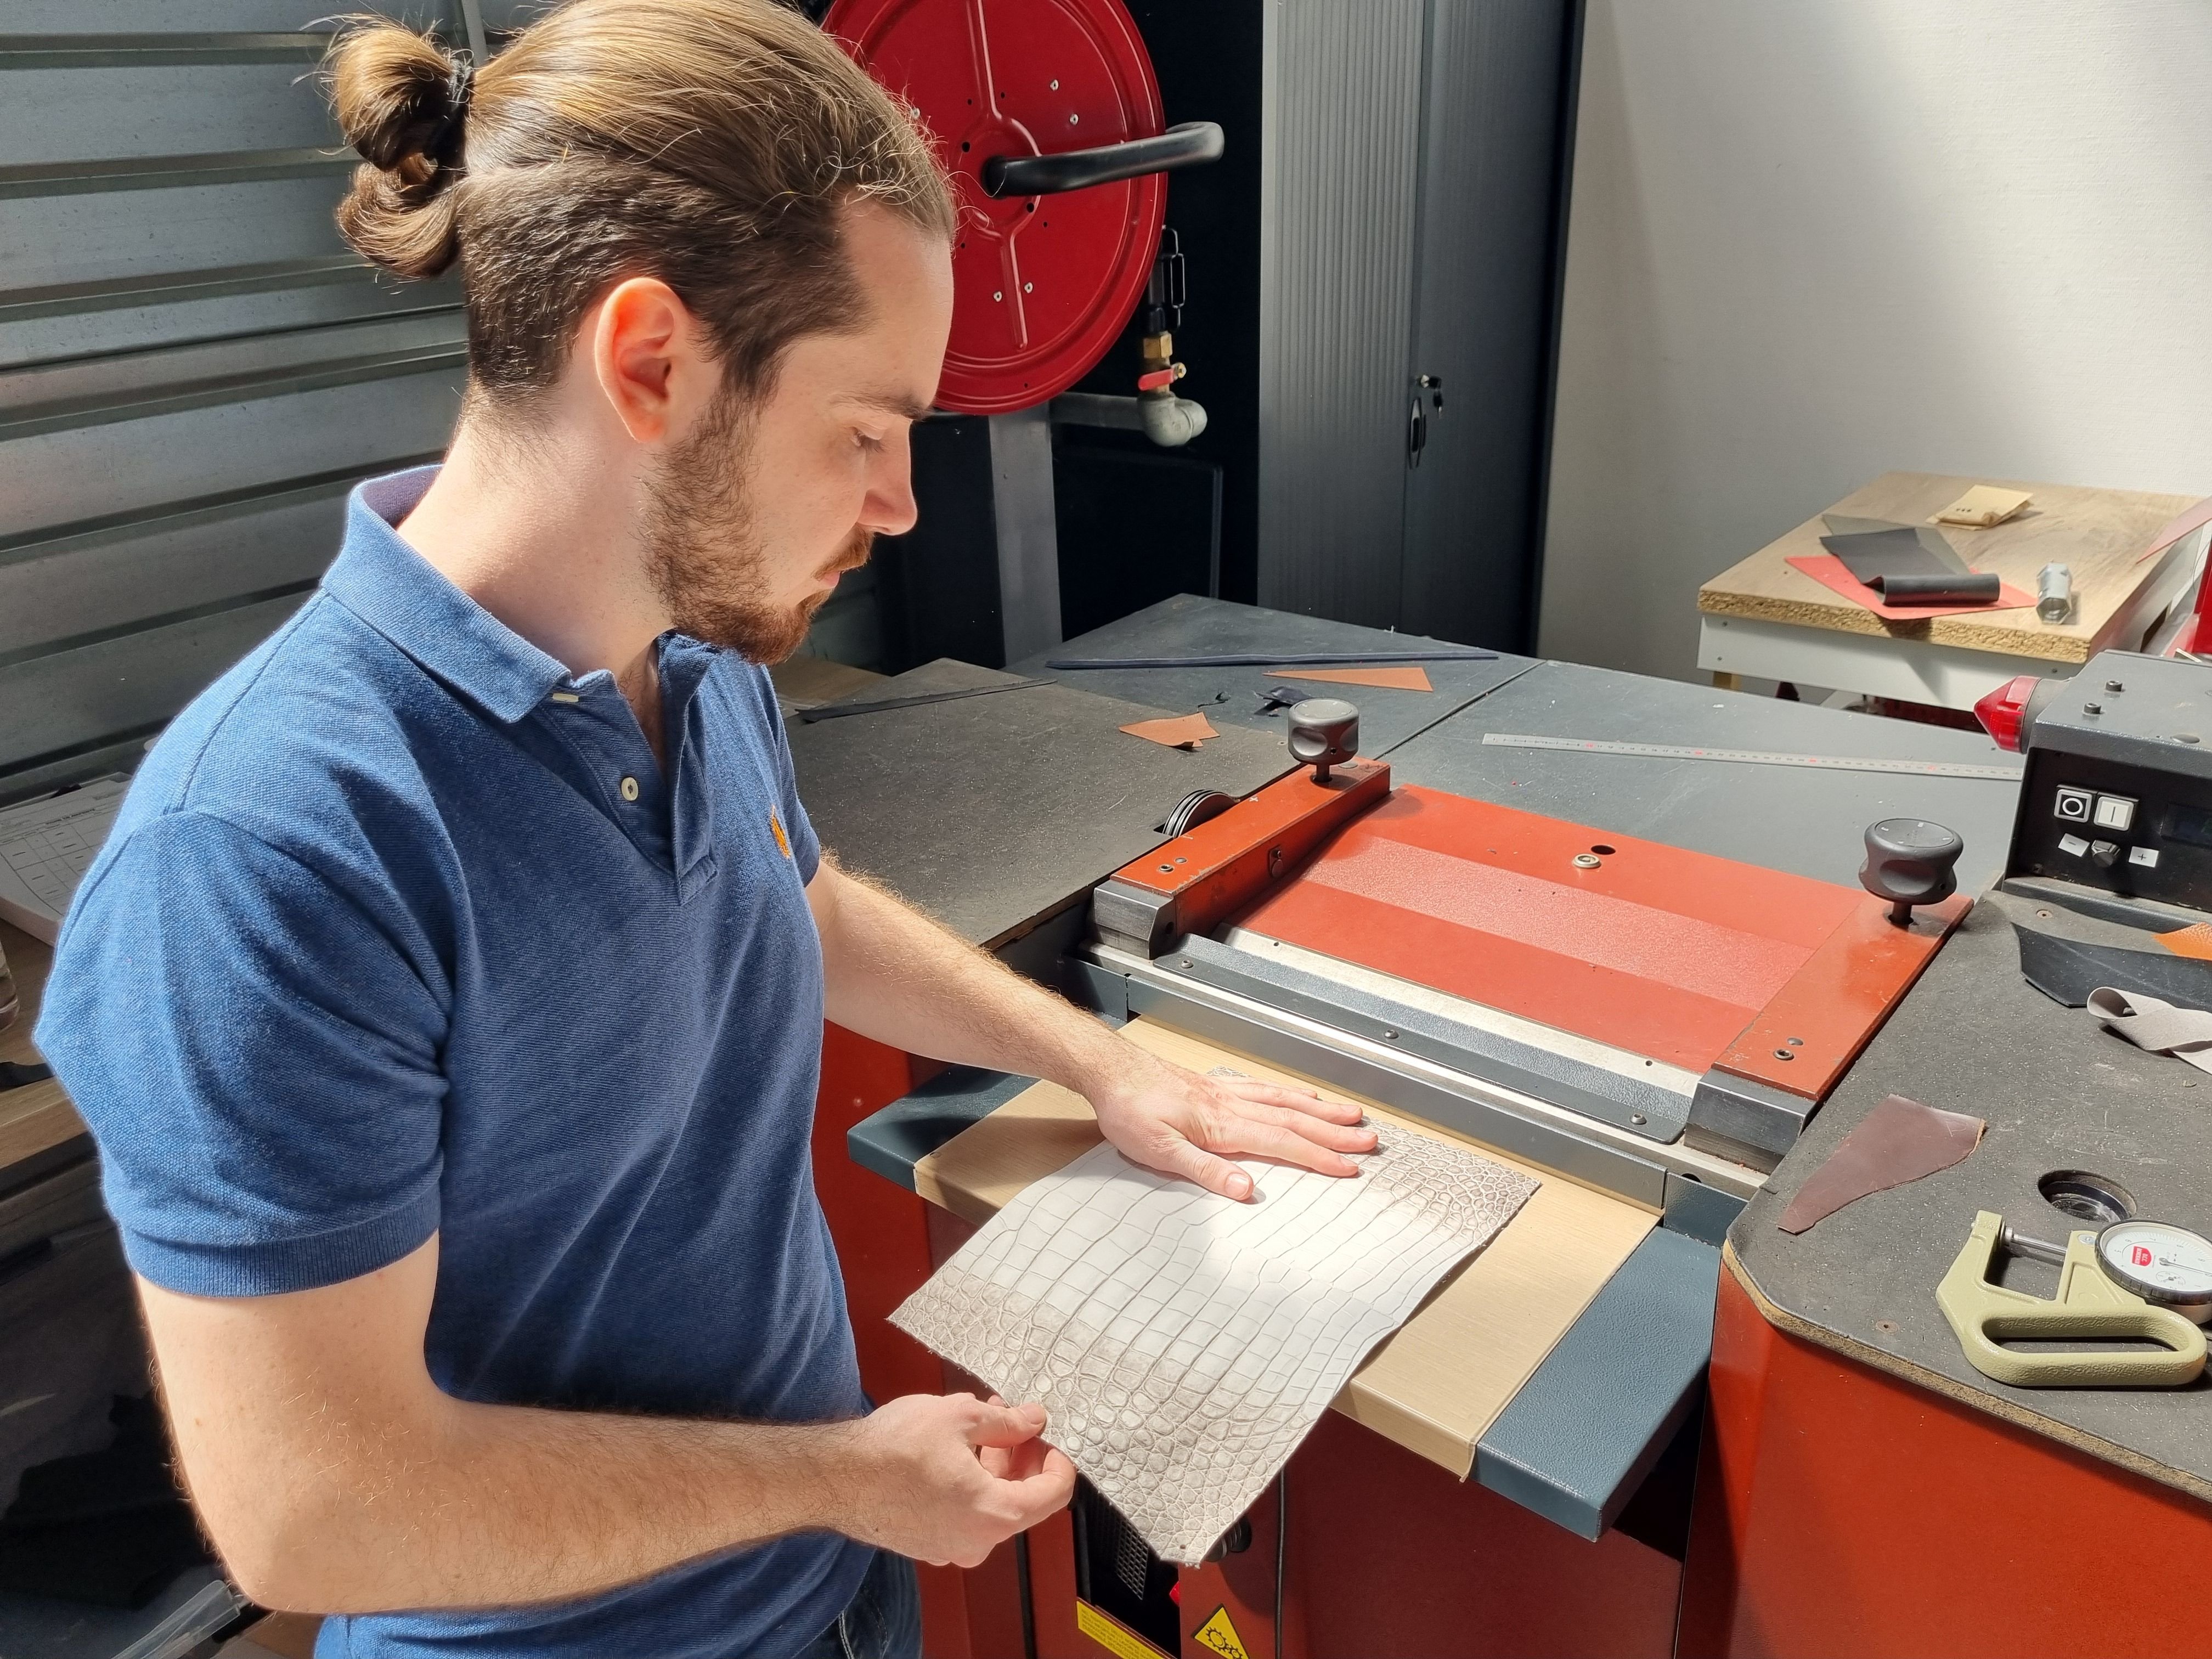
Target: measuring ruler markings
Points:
(1752, 756)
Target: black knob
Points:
(1911, 861)
(1324, 733)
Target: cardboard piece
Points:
(1415, 679)
(1176, 731)
(1983, 505)
(1899, 1140)
(1828, 570)
(1436, 1386)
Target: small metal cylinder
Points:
(2054, 592)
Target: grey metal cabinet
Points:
(1412, 235)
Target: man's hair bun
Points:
(402, 102)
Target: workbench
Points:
(1585, 1476)
(1764, 618)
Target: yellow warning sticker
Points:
(1217, 1635)
(1116, 1637)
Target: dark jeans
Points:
(882, 1621)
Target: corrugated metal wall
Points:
(192, 368)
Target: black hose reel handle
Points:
(1189, 145)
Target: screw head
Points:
(1785, 1054)
(1072, 119)
(1587, 860)
(2114, 685)
(1638, 1119)
(2093, 708)
(1029, 287)
(998, 294)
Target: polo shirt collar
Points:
(392, 588)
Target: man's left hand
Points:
(1175, 1121)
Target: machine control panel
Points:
(2117, 794)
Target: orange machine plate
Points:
(1670, 954)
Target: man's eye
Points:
(866, 441)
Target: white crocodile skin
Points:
(1182, 1344)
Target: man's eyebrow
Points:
(893, 402)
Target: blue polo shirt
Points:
(402, 932)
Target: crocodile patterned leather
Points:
(1183, 1344)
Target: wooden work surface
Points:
(39, 1129)
(1436, 1385)
(2100, 533)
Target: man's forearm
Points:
(478, 1505)
(897, 976)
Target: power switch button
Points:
(2072, 805)
(2115, 812)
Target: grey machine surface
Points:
(1187, 625)
(2116, 764)
(995, 813)
(1578, 1441)
(1808, 820)
(2059, 1092)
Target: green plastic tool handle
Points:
(2089, 1307)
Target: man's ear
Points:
(646, 354)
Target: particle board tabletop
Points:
(2100, 533)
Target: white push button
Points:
(2146, 856)
(2074, 846)
(2115, 812)
(2073, 805)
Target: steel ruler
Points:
(1752, 756)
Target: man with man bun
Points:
(447, 1002)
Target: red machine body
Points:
(1043, 285)
(1694, 961)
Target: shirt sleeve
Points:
(257, 1060)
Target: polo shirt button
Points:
(629, 788)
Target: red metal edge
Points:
(1832, 1006)
(1222, 865)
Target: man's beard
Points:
(704, 557)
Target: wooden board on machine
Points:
(2099, 534)
(1437, 1384)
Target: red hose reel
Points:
(1048, 116)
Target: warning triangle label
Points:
(1217, 1635)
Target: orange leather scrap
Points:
(1412, 678)
(1177, 732)
(2194, 940)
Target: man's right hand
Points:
(945, 1479)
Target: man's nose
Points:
(890, 509)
